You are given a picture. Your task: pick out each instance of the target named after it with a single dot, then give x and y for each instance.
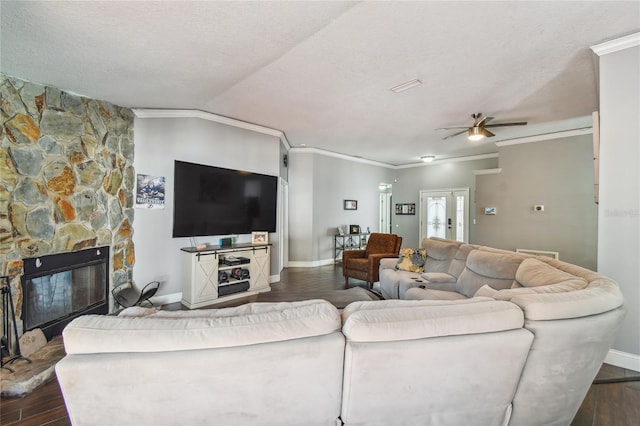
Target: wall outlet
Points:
(538, 208)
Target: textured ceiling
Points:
(321, 71)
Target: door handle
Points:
(449, 223)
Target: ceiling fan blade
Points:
(452, 128)
(481, 122)
(519, 123)
(487, 133)
(456, 134)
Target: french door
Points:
(445, 214)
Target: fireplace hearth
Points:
(60, 287)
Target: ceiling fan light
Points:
(476, 134)
(428, 158)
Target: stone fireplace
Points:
(66, 185)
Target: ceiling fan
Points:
(479, 130)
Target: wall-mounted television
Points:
(211, 200)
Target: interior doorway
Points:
(444, 213)
(385, 208)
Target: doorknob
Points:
(449, 223)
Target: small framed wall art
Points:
(490, 210)
(350, 204)
(259, 237)
(354, 229)
(406, 209)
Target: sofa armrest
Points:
(389, 262)
(377, 257)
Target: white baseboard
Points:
(165, 299)
(274, 278)
(623, 359)
(312, 264)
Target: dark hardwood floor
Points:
(615, 404)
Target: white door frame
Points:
(385, 213)
(426, 192)
(284, 226)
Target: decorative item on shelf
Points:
(354, 229)
(406, 209)
(368, 230)
(340, 231)
(227, 242)
(259, 237)
(350, 205)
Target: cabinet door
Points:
(260, 269)
(205, 279)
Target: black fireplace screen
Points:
(58, 288)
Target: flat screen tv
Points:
(216, 201)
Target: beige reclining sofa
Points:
(464, 360)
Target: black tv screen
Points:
(216, 201)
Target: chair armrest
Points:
(352, 254)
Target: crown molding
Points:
(195, 113)
(488, 171)
(616, 45)
(546, 136)
(305, 150)
(449, 160)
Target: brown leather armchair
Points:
(364, 264)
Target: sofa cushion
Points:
(200, 329)
(533, 273)
(393, 320)
(496, 269)
(508, 294)
(438, 277)
(417, 293)
(440, 253)
(412, 260)
(460, 259)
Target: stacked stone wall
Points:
(66, 178)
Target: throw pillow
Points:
(412, 260)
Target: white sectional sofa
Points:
(528, 360)
(574, 314)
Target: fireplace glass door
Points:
(63, 293)
(60, 287)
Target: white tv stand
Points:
(200, 269)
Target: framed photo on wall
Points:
(350, 204)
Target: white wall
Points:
(410, 181)
(319, 183)
(619, 209)
(556, 173)
(160, 141)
